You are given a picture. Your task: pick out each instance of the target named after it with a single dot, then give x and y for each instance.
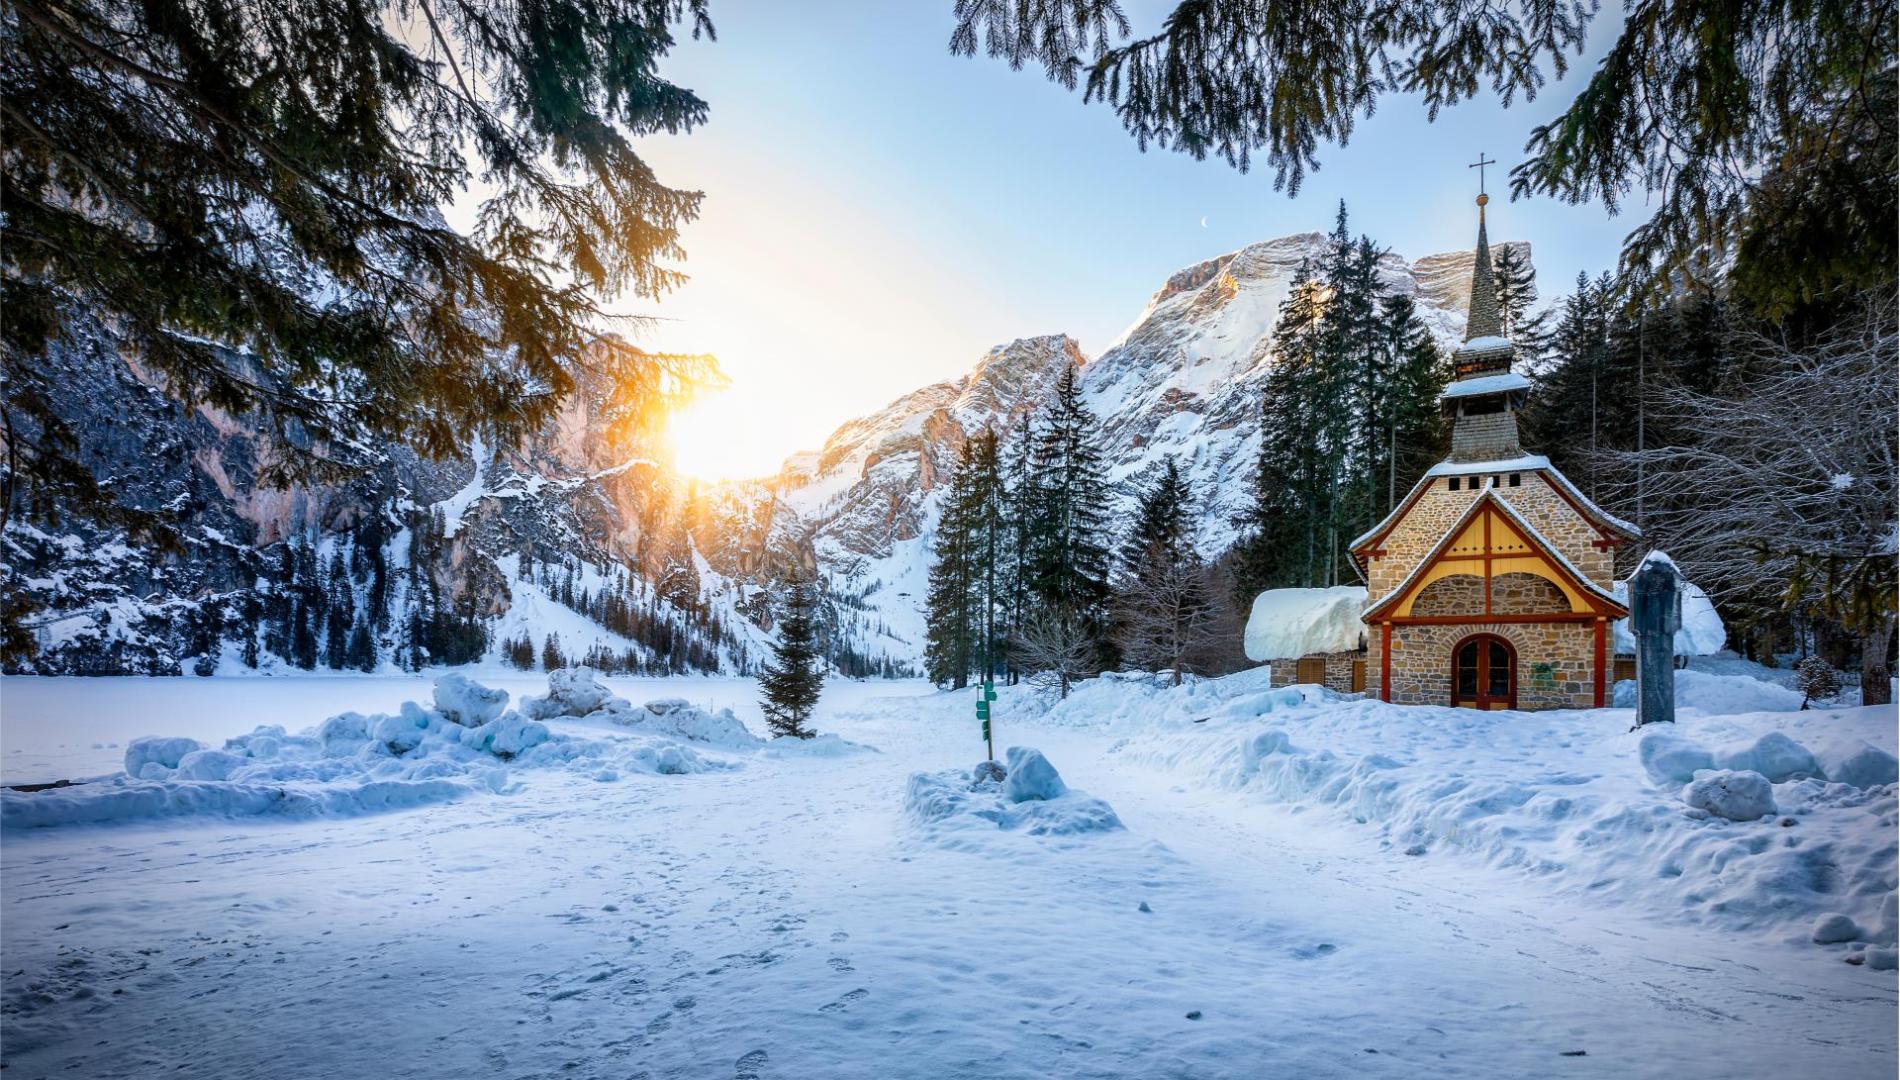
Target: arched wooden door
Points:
(1484, 673)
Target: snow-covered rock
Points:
(574, 691)
(1860, 764)
(161, 751)
(1735, 795)
(1835, 928)
(467, 702)
(679, 719)
(1038, 804)
(1029, 776)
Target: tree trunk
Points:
(1874, 674)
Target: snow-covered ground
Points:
(1225, 880)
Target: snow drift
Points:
(466, 740)
(1760, 821)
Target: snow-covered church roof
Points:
(1289, 623)
(1701, 632)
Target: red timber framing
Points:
(1385, 662)
(1373, 547)
(1488, 541)
(1602, 658)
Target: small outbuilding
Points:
(1311, 636)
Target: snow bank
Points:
(353, 763)
(1029, 797)
(1718, 695)
(1595, 812)
(577, 693)
(1288, 623)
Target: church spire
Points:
(1484, 320)
(1485, 394)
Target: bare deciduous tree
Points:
(1054, 648)
(1789, 479)
(1166, 618)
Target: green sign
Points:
(986, 729)
(983, 710)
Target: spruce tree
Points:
(249, 196)
(967, 607)
(1281, 545)
(1019, 483)
(1068, 550)
(946, 601)
(794, 679)
(1164, 609)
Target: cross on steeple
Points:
(1479, 165)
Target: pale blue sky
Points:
(879, 213)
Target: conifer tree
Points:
(1281, 547)
(1019, 481)
(249, 195)
(1164, 610)
(948, 614)
(362, 649)
(1068, 551)
(794, 679)
(1516, 284)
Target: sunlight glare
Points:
(725, 435)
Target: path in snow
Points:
(783, 920)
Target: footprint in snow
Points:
(750, 1066)
(840, 965)
(1312, 952)
(846, 1001)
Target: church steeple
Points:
(1485, 394)
(1484, 320)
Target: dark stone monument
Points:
(1655, 615)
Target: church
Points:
(1491, 584)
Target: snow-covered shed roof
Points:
(1289, 623)
(1701, 632)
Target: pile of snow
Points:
(465, 741)
(1289, 623)
(577, 694)
(1718, 695)
(1026, 794)
(1701, 632)
(1760, 820)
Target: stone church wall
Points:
(1438, 508)
(1554, 662)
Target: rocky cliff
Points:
(586, 535)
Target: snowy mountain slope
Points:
(256, 572)
(705, 563)
(1184, 382)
